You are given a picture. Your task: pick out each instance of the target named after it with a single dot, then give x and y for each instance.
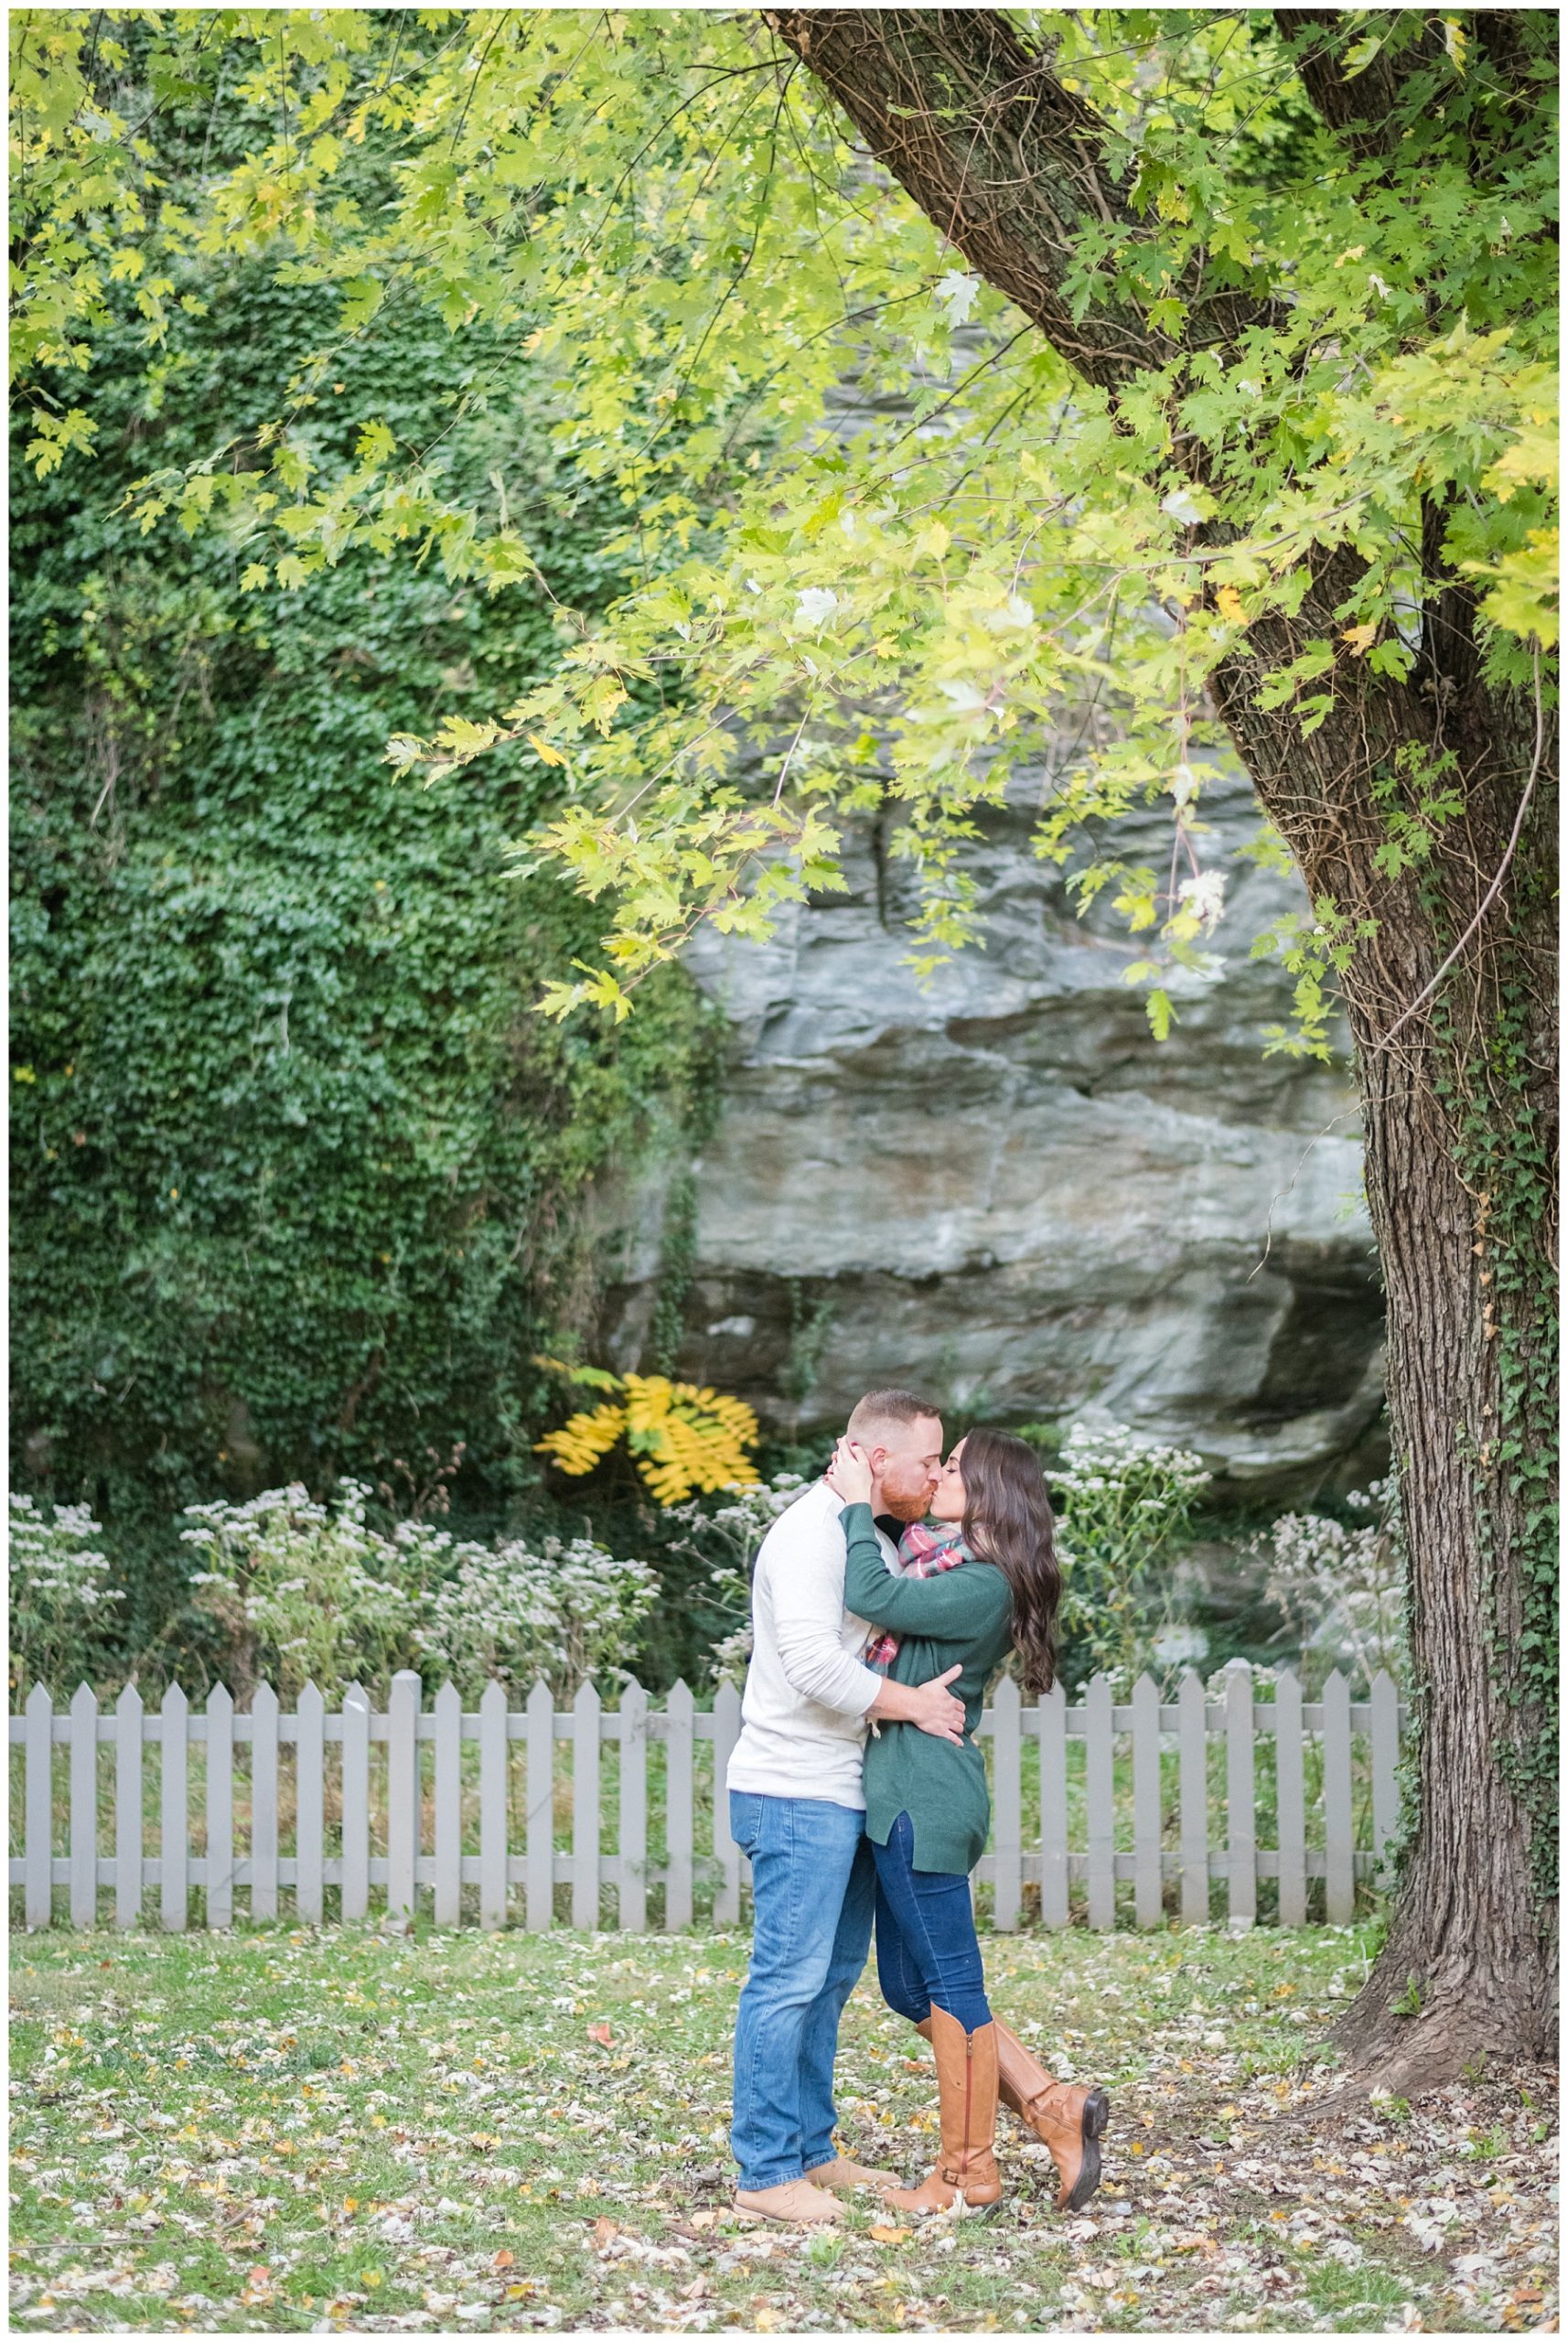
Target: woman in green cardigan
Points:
(984, 1583)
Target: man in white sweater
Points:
(797, 1813)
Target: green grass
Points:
(285, 2130)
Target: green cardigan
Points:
(961, 1617)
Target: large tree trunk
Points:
(1457, 1094)
(1459, 1115)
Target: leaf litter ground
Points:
(359, 2130)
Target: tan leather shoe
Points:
(844, 2176)
(795, 2204)
(966, 2097)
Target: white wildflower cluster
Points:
(309, 1592)
(1125, 1502)
(731, 1656)
(1181, 1646)
(514, 1616)
(306, 1593)
(1261, 1679)
(1110, 1458)
(730, 1533)
(727, 1538)
(1341, 1588)
(61, 1605)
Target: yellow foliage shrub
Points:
(681, 1438)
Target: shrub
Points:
(302, 1592)
(63, 1613)
(308, 1593)
(1342, 1589)
(681, 1438)
(513, 1616)
(726, 1541)
(1126, 1503)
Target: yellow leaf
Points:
(889, 2236)
(1230, 605)
(543, 751)
(1360, 638)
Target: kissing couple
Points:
(857, 1791)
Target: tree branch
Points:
(1012, 168)
(1362, 109)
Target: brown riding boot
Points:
(966, 2096)
(1064, 2116)
(1067, 2118)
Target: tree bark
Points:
(1457, 1097)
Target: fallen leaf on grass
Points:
(602, 2035)
(889, 2236)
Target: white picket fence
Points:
(514, 1818)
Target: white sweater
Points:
(807, 1695)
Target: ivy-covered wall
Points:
(294, 1162)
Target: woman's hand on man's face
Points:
(849, 1474)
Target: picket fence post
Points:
(1340, 1861)
(221, 1806)
(1241, 1797)
(1055, 1897)
(1100, 1756)
(539, 1884)
(174, 1837)
(1007, 1807)
(310, 1806)
(585, 1785)
(83, 1807)
(403, 1832)
(679, 1841)
(446, 1818)
(1192, 1733)
(632, 1876)
(355, 1886)
(493, 1806)
(38, 1890)
(127, 1807)
(264, 1803)
(1148, 1890)
(1290, 1801)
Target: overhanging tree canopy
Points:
(1227, 337)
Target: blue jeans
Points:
(927, 1949)
(814, 1888)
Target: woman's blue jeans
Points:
(812, 1890)
(927, 1949)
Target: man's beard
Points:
(906, 1508)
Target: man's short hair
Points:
(880, 1409)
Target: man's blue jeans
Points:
(814, 1891)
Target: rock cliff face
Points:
(997, 1186)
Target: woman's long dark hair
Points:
(1007, 1520)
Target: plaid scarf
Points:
(922, 1551)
